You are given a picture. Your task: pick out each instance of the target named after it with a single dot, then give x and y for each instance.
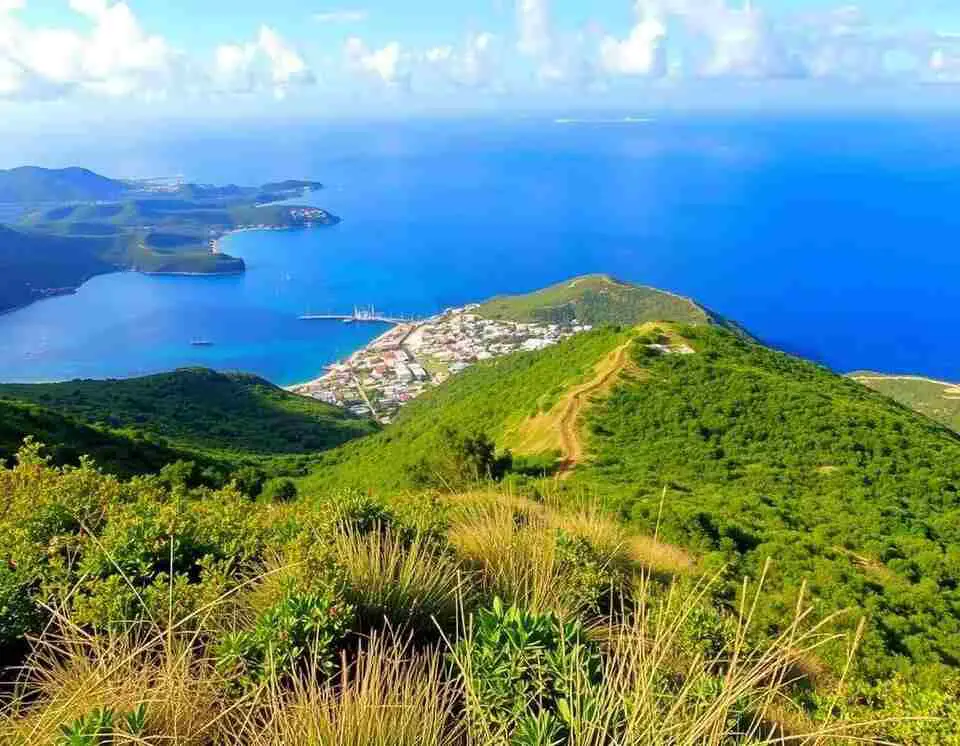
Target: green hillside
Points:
(937, 400)
(598, 299)
(490, 397)
(762, 454)
(68, 440)
(31, 184)
(201, 411)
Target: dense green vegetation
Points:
(77, 224)
(201, 411)
(120, 453)
(938, 400)
(765, 455)
(762, 454)
(195, 617)
(598, 299)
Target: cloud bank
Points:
(107, 52)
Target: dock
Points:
(361, 315)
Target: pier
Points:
(361, 315)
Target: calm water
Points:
(834, 239)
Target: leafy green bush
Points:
(99, 727)
(462, 460)
(523, 672)
(302, 630)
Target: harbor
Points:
(416, 355)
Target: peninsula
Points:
(413, 357)
(66, 226)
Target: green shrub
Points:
(302, 630)
(280, 491)
(523, 672)
(100, 728)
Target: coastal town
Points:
(402, 364)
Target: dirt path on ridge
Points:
(571, 444)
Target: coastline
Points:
(861, 376)
(366, 348)
(233, 273)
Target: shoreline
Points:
(873, 376)
(373, 342)
(234, 273)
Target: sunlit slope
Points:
(202, 411)
(599, 299)
(762, 456)
(765, 455)
(494, 397)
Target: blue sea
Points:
(836, 239)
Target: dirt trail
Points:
(571, 445)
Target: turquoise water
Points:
(833, 239)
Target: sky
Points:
(177, 58)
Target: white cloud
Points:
(534, 29)
(113, 56)
(109, 53)
(641, 53)
(475, 64)
(388, 65)
(266, 63)
(342, 16)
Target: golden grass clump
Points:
(514, 551)
(72, 674)
(407, 581)
(512, 543)
(388, 697)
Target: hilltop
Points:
(140, 425)
(75, 224)
(32, 184)
(599, 299)
(200, 410)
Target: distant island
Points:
(65, 226)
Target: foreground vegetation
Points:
(160, 614)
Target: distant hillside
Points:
(32, 184)
(202, 411)
(937, 400)
(66, 440)
(762, 454)
(598, 299)
(75, 224)
(34, 265)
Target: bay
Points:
(830, 238)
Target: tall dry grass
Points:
(387, 697)
(72, 673)
(406, 581)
